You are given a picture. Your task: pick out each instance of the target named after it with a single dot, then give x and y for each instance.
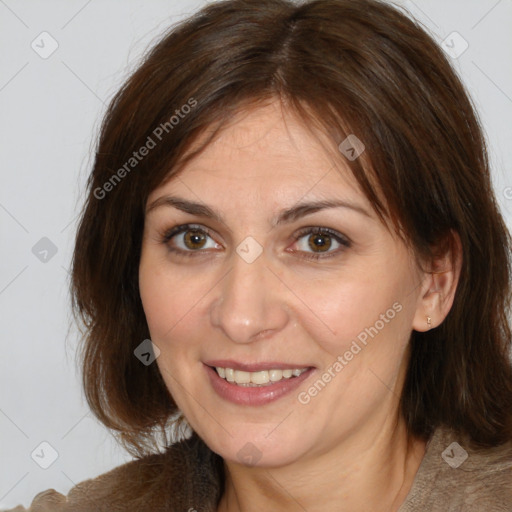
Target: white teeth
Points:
(261, 378)
(275, 375)
(242, 377)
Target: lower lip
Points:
(257, 395)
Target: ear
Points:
(439, 284)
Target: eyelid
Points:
(176, 230)
(340, 237)
(168, 234)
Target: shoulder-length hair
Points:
(347, 68)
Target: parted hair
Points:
(345, 67)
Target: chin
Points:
(255, 448)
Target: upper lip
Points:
(254, 367)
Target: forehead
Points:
(265, 152)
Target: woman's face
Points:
(245, 291)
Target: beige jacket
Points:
(189, 477)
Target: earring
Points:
(429, 321)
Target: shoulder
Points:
(185, 474)
(455, 475)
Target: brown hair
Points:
(348, 67)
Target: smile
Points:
(261, 378)
(260, 386)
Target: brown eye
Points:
(189, 240)
(314, 242)
(319, 241)
(194, 239)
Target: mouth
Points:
(259, 378)
(255, 384)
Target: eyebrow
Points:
(285, 216)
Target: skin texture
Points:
(347, 448)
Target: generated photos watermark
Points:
(151, 142)
(147, 352)
(304, 397)
(454, 455)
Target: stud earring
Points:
(429, 321)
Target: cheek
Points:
(169, 300)
(174, 305)
(156, 303)
(362, 308)
(169, 308)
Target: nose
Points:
(251, 301)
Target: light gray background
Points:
(50, 113)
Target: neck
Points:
(371, 469)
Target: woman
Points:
(291, 246)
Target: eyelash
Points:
(167, 236)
